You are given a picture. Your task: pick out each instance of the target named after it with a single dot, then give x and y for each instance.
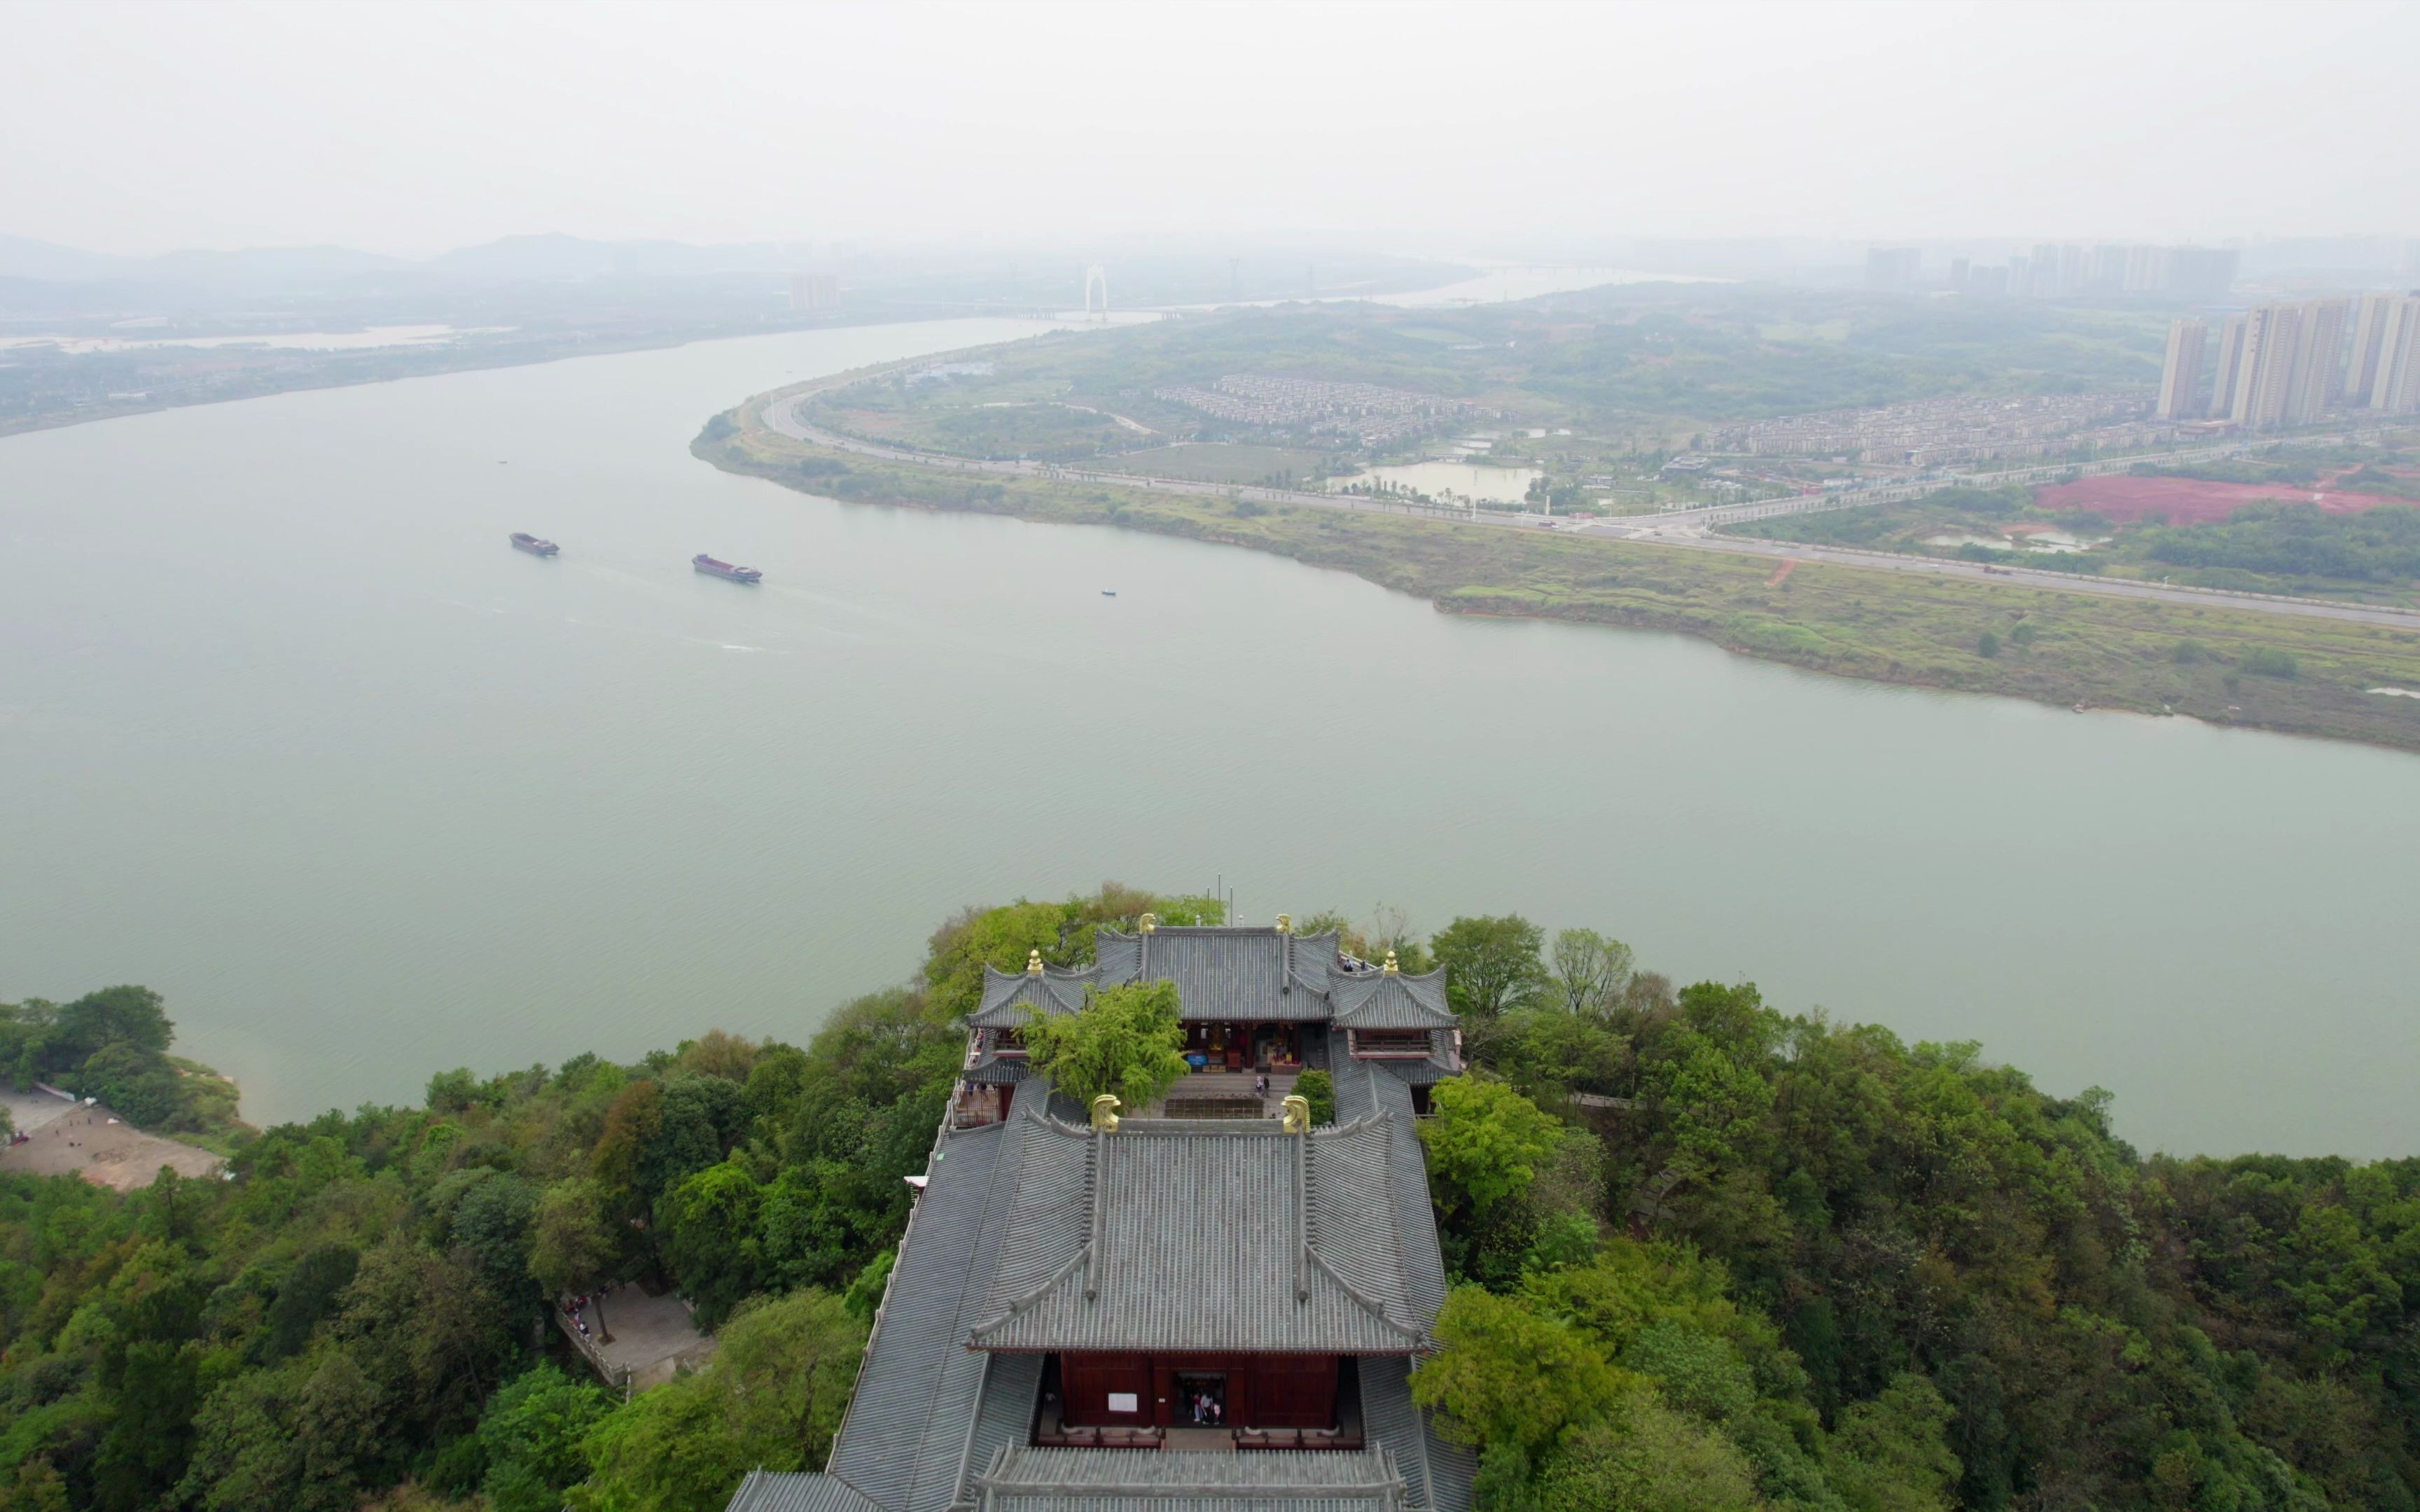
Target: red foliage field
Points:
(2191, 501)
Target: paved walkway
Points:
(653, 1337)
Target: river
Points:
(290, 733)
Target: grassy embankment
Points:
(1898, 627)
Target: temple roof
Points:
(930, 1417)
(1023, 1479)
(1111, 1240)
(1007, 995)
(1246, 975)
(1390, 1000)
(764, 1491)
(1250, 975)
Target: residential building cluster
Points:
(2283, 365)
(1369, 413)
(1958, 428)
(2051, 269)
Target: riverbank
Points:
(2223, 665)
(209, 380)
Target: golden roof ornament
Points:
(1390, 967)
(1033, 963)
(1298, 1114)
(1285, 923)
(1105, 1113)
(1148, 922)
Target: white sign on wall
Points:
(1125, 1401)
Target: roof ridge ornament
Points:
(1285, 923)
(1033, 963)
(1147, 923)
(1392, 966)
(1298, 1114)
(1105, 1113)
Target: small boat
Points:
(717, 569)
(536, 546)
(1108, 593)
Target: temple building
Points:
(1211, 1305)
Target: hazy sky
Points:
(410, 129)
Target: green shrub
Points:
(1318, 1088)
(2268, 661)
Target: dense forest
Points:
(1708, 1255)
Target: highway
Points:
(1688, 530)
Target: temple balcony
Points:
(1184, 1427)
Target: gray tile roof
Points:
(1390, 1000)
(1009, 997)
(1257, 975)
(1365, 1090)
(1113, 1240)
(1122, 1480)
(991, 1071)
(904, 1435)
(773, 1491)
(1439, 1473)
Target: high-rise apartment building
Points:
(2283, 364)
(2395, 389)
(2317, 384)
(2368, 335)
(2229, 377)
(2180, 379)
(2053, 269)
(1892, 267)
(2263, 367)
(814, 291)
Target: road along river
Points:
(287, 731)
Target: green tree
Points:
(1503, 1374)
(433, 1336)
(1646, 1458)
(863, 1298)
(571, 1240)
(137, 1084)
(1587, 972)
(1127, 1041)
(128, 1015)
(1491, 964)
(532, 1432)
(307, 1295)
(1000, 938)
(1892, 1454)
(1318, 1088)
(712, 1222)
(493, 1223)
(1486, 1141)
(772, 1398)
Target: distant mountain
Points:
(24, 257)
(279, 265)
(564, 257)
(510, 258)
